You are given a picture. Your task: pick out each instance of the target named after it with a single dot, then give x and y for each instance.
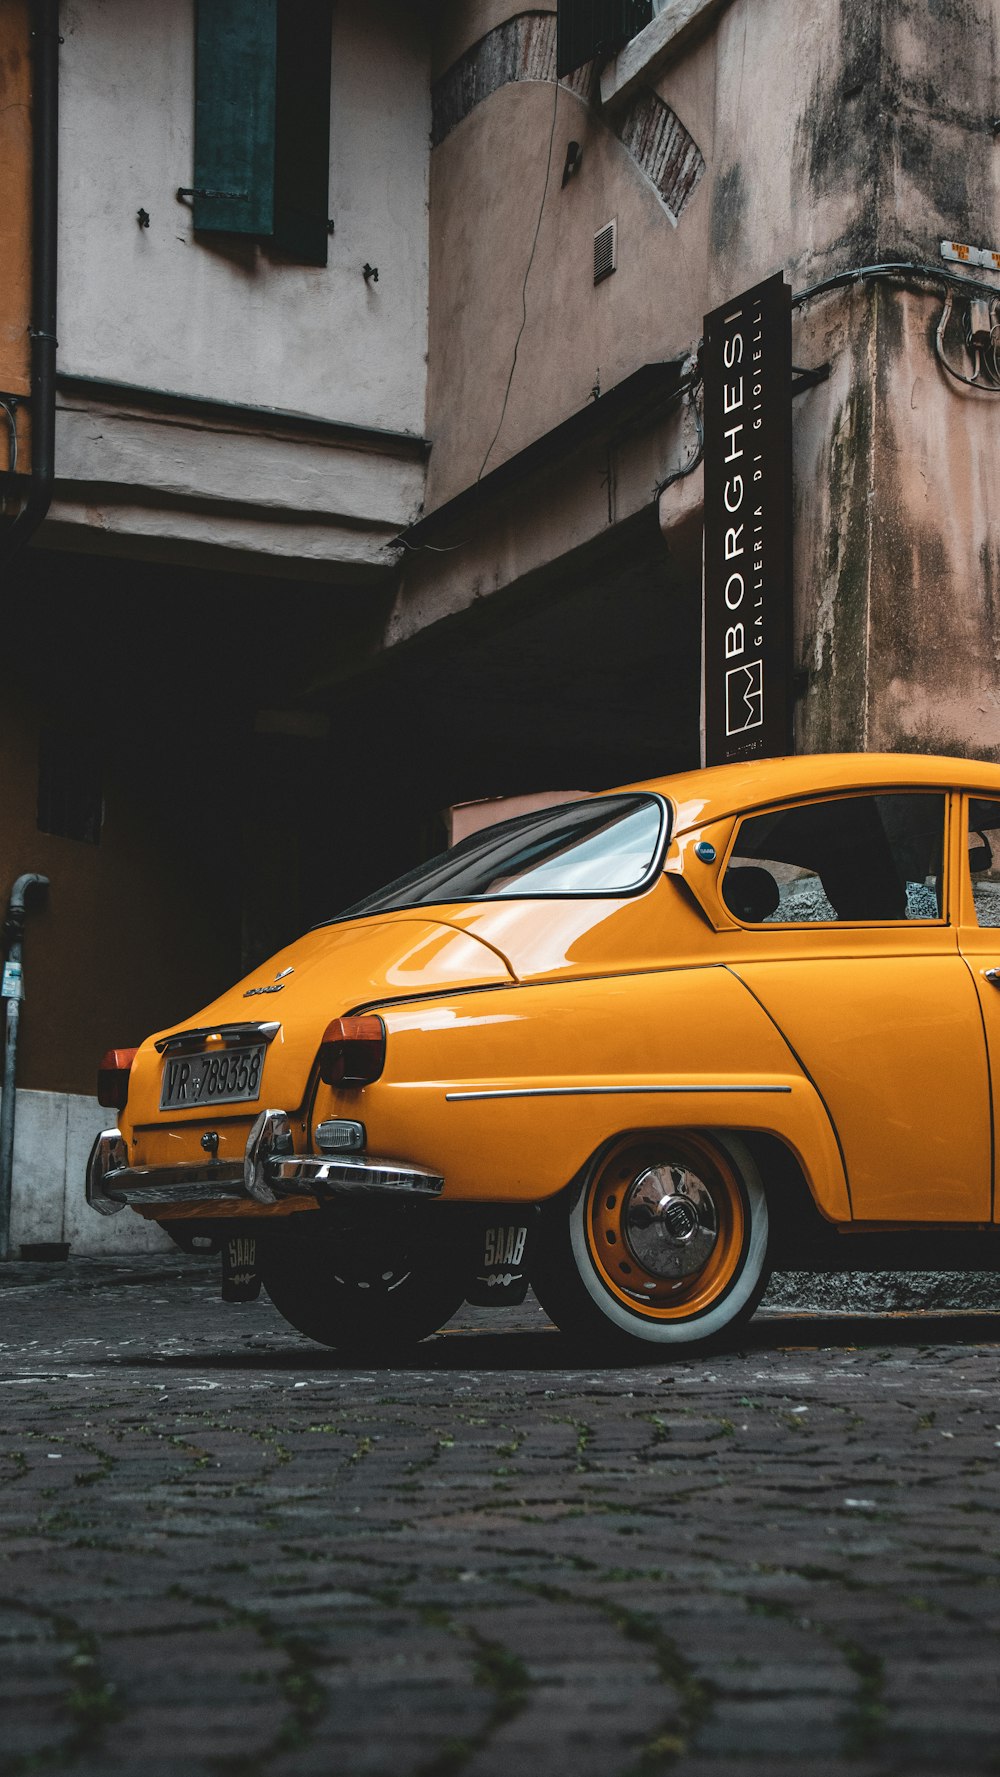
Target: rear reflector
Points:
(112, 1078)
(352, 1052)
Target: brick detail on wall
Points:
(658, 143)
(524, 48)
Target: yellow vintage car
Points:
(638, 1049)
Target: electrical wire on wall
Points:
(891, 271)
(982, 343)
(524, 286)
(982, 328)
(690, 389)
(451, 548)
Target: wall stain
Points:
(833, 716)
(729, 202)
(837, 135)
(940, 95)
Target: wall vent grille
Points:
(605, 251)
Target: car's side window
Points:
(984, 859)
(847, 858)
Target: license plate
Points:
(223, 1076)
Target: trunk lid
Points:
(330, 971)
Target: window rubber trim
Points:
(621, 894)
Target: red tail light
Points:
(352, 1052)
(112, 1078)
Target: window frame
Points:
(604, 31)
(652, 875)
(262, 112)
(829, 926)
(965, 902)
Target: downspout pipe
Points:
(13, 994)
(44, 231)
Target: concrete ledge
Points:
(643, 57)
(154, 470)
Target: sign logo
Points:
(745, 697)
(747, 366)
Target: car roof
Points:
(720, 790)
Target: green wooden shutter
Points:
(236, 52)
(587, 28)
(302, 133)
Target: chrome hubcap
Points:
(669, 1222)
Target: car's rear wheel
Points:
(664, 1241)
(363, 1292)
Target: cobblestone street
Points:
(225, 1550)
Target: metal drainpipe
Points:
(13, 995)
(45, 220)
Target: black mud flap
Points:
(500, 1279)
(240, 1277)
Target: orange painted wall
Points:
(15, 204)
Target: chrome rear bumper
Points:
(268, 1172)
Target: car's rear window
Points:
(609, 846)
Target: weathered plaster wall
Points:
(53, 1135)
(458, 24)
(253, 492)
(833, 136)
(934, 674)
(941, 89)
(897, 466)
(538, 524)
(487, 182)
(782, 102)
(897, 533)
(833, 515)
(222, 318)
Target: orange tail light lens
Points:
(112, 1078)
(352, 1052)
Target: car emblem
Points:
(274, 986)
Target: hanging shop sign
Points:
(747, 367)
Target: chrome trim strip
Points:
(112, 1183)
(198, 1191)
(228, 1033)
(598, 1091)
(195, 1172)
(108, 1154)
(340, 1172)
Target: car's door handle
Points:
(992, 976)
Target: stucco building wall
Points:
(195, 321)
(834, 137)
(225, 317)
